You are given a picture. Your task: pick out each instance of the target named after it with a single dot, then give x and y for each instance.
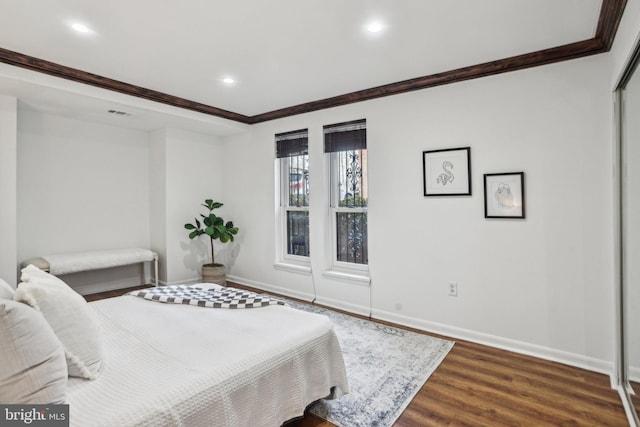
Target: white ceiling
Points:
(282, 52)
(41, 92)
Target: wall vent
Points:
(119, 113)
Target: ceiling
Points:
(287, 56)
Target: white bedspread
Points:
(93, 260)
(180, 365)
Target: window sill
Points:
(354, 278)
(293, 268)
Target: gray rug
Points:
(386, 367)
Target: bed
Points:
(181, 365)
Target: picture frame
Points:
(447, 172)
(504, 195)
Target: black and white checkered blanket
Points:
(201, 297)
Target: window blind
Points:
(294, 143)
(345, 136)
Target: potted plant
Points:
(214, 227)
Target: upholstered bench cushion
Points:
(91, 260)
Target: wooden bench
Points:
(68, 263)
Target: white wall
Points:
(86, 186)
(81, 186)
(540, 285)
(194, 165)
(8, 188)
(158, 199)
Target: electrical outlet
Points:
(453, 289)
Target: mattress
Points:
(181, 365)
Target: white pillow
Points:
(6, 290)
(71, 318)
(33, 368)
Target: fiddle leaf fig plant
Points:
(212, 226)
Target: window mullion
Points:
(347, 210)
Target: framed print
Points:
(447, 172)
(504, 195)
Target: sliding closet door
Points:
(630, 218)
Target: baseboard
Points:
(546, 353)
(329, 302)
(341, 305)
(304, 296)
(191, 281)
(567, 358)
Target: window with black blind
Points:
(293, 154)
(346, 143)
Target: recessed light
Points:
(228, 80)
(80, 27)
(375, 27)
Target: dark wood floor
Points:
(111, 294)
(478, 385)
(636, 398)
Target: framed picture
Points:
(447, 172)
(504, 195)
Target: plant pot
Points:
(214, 273)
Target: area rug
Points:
(386, 367)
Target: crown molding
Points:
(68, 73)
(533, 59)
(608, 22)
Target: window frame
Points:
(298, 147)
(334, 207)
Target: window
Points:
(346, 143)
(293, 155)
